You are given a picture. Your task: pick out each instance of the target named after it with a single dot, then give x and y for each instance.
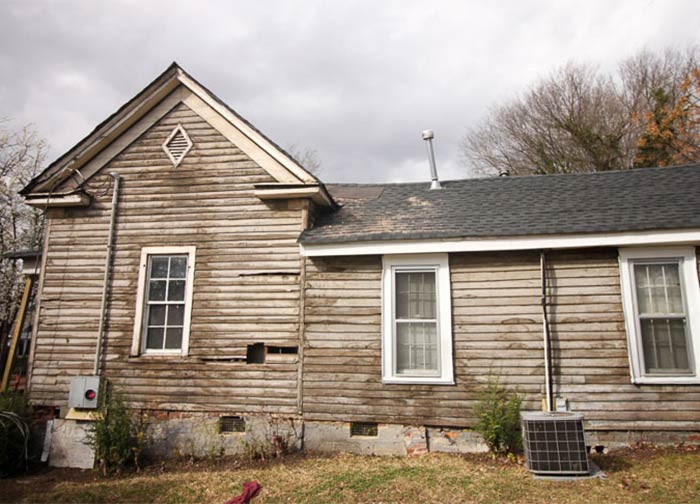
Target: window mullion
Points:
(653, 342)
(670, 344)
(648, 288)
(663, 275)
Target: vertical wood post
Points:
(17, 331)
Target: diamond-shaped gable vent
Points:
(177, 145)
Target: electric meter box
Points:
(84, 392)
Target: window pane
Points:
(176, 290)
(415, 295)
(665, 345)
(178, 266)
(416, 347)
(173, 337)
(675, 299)
(658, 289)
(159, 266)
(176, 314)
(154, 338)
(156, 290)
(156, 315)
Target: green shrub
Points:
(15, 415)
(498, 411)
(117, 435)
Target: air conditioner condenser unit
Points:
(555, 444)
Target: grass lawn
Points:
(642, 475)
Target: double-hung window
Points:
(164, 301)
(416, 320)
(662, 299)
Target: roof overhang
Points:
(317, 193)
(624, 239)
(58, 200)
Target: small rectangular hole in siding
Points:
(231, 424)
(256, 354)
(368, 429)
(280, 350)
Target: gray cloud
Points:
(357, 81)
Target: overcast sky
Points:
(356, 81)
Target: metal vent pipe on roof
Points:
(428, 136)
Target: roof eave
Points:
(317, 193)
(45, 200)
(505, 243)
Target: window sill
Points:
(666, 380)
(417, 380)
(159, 357)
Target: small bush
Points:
(15, 416)
(498, 411)
(117, 436)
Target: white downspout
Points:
(108, 264)
(545, 327)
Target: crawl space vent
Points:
(231, 424)
(177, 145)
(368, 429)
(554, 444)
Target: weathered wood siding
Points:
(497, 328)
(246, 286)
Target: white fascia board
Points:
(503, 244)
(58, 200)
(313, 192)
(279, 157)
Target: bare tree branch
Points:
(21, 156)
(579, 119)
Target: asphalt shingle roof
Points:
(632, 200)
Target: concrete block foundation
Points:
(391, 439)
(335, 437)
(198, 435)
(455, 441)
(618, 440)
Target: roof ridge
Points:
(516, 177)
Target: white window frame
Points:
(138, 344)
(397, 263)
(688, 272)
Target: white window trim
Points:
(691, 293)
(138, 342)
(392, 263)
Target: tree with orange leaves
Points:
(672, 132)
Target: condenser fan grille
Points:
(555, 443)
